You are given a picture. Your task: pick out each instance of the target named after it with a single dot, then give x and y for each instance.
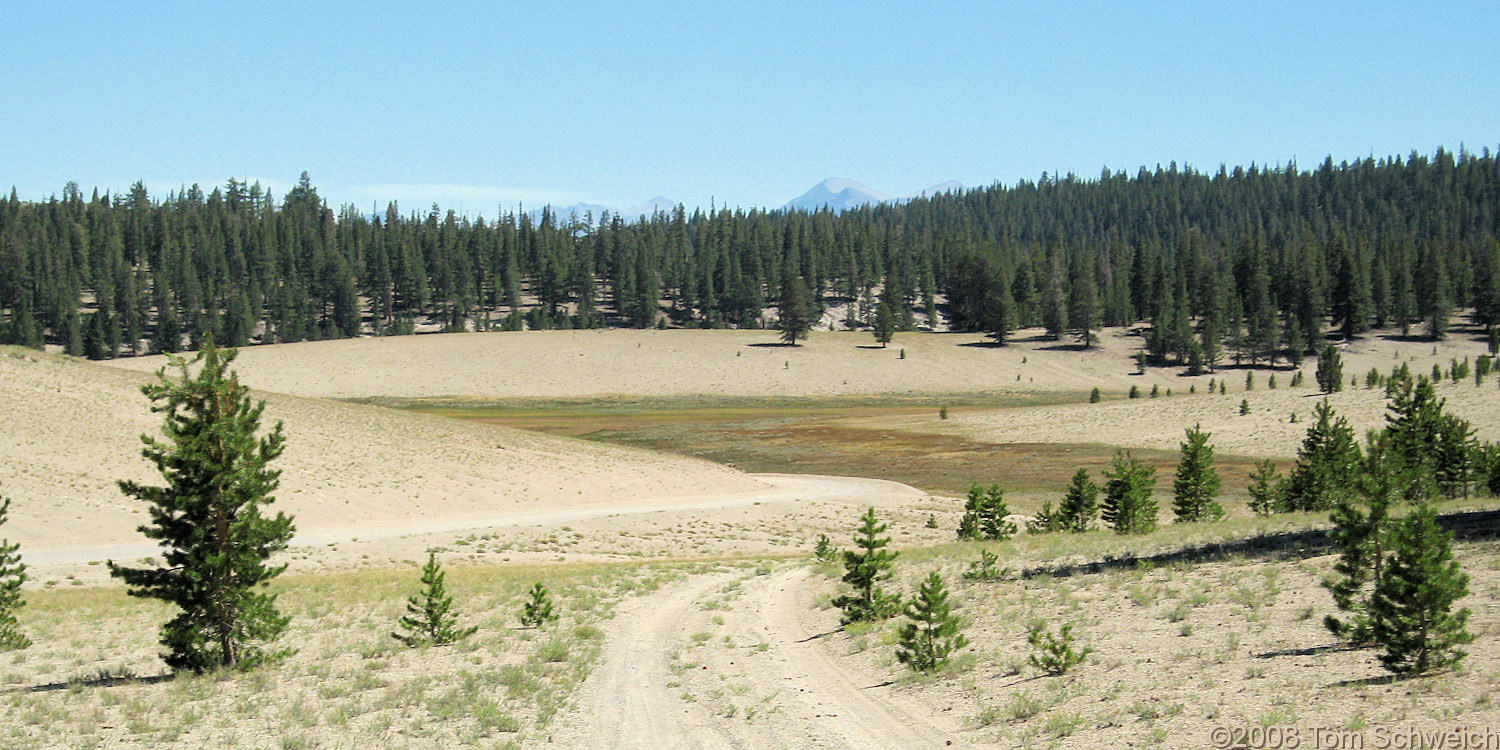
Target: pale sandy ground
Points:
(72, 429)
(630, 363)
(1267, 431)
(560, 364)
(757, 660)
(737, 659)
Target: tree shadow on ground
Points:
(1384, 679)
(1311, 651)
(816, 636)
(1283, 545)
(101, 681)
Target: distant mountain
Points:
(839, 194)
(951, 186)
(564, 214)
(835, 193)
(650, 207)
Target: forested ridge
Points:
(1253, 264)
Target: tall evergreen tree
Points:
(1456, 456)
(1412, 606)
(1361, 532)
(1080, 505)
(1197, 482)
(216, 541)
(96, 336)
(1055, 296)
(1327, 463)
(12, 577)
(1433, 291)
(1083, 307)
(1128, 507)
(885, 324)
(1265, 489)
(795, 318)
(985, 512)
(1351, 288)
(1330, 373)
(864, 569)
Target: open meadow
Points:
(668, 486)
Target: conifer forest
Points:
(1252, 264)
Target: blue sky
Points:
(474, 105)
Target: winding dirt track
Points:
(770, 653)
(783, 488)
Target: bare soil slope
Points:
(578, 364)
(563, 364)
(72, 429)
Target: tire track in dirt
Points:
(827, 701)
(625, 703)
(780, 488)
(782, 684)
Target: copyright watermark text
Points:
(1369, 738)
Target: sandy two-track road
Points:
(780, 489)
(771, 662)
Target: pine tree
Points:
(795, 320)
(1412, 607)
(1264, 489)
(885, 324)
(96, 336)
(1414, 423)
(1351, 287)
(1080, 505)
(12, 577)
(824, 550)
(1361, 528)
(1055, 296)
(429, 615)
(985, 512)
(1128, 507)
(1083, 307)
(1455, 456)
(538, 610)
(864, 568)
(1326, 466)
(23, 329)
(1045, 521)
(1197, 482)
(1054, 654)
(932, 633)
(1433, 291)
(985, 569)
(1330, 374)
(209, 517)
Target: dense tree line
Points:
(1253, 264)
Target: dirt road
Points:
(741, 659)
(784, 488)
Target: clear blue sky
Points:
(486, 103)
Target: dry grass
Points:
(1207, 640)
(93, 679)
(1229, 634)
